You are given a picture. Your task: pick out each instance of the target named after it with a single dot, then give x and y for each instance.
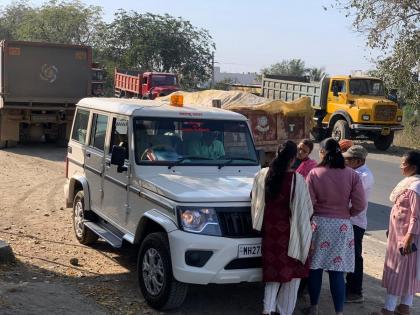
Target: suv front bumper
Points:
(224, 251)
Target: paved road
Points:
(386, 171)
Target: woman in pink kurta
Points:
(305, 148)
(401, 276)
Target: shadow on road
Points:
(378, 216)
(46, 151)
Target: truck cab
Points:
(358, 106)
(174, 181)
(159, 84)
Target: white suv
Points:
(174, 180)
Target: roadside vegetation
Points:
(392, 28)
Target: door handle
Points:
(88, 154)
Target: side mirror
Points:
(118, 155)
(261, 156)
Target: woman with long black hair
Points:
(281, 209)
(337, 194)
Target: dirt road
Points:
(35, 223)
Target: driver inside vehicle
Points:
(207, 147)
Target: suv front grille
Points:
(385, 112)
(236, 222)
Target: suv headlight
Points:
(199, 220)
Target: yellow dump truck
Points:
(346, 107)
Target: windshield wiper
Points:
(187, 157)
(231, 159)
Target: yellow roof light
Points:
(177, 100)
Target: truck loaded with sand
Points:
(271, 121)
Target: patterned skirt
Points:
(332, 244)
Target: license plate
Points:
(249, 251)
(385, 131)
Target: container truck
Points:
(346, 107)
(144, 85)
(40, 83)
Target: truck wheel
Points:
(384, 142)
(154, 272)
(83, 234)
(341, 130)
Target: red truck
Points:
(145, 85)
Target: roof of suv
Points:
(138, 107)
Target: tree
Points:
(393, 26)
(69, 22)
(316, 73)
(293, 67)
(151, 42)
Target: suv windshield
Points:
(366, 87)
(168, 141)
(163, 80)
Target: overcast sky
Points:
(251, 35)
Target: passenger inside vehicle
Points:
(207, 147)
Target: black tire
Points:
(318, 134)
(384, 142)
(83, 234)
(171, 293)
(341, 130)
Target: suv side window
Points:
(119, 135)
(99, 126)
(80, 126)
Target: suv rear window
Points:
(80, 126)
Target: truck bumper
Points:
(225, 250)
(376, 127)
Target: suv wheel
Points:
(154, 269)
(83, 234)
(341, 130)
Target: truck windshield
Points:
(168, 141)
(366, 87)
(163, 80)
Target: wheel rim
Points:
(153, 271)
(79, 218)
(336, 134)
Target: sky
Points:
(251, 35)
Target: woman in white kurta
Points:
(401, 276)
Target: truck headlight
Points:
(366, 117)
(199, 220)
(399, 118)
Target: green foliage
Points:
(69, 22)
(151, 42)
(393, 26)
(294, 67)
